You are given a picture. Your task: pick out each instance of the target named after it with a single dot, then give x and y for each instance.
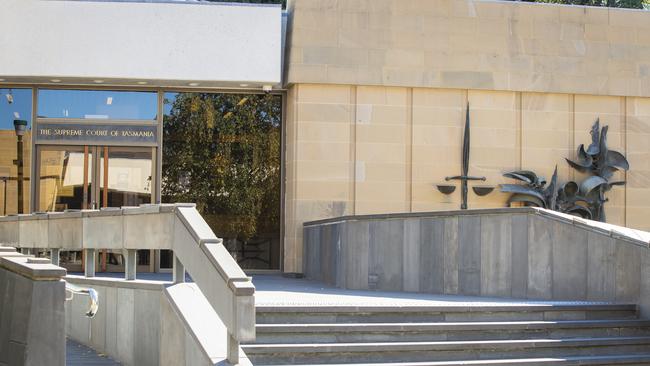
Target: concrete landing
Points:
(79, 355)
(275, 290)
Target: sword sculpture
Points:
(465, 177)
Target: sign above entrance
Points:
(89, 134)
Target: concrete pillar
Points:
(179, 270)
(233, 350)
(55, 256)
(130, 264)
(89, 262)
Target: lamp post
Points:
(20, 126)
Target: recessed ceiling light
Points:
(193, 84)
(243, 85)
(98, 81)
(142, 82)
(56, 80)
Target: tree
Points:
(222, 151)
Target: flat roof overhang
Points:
(141, 44)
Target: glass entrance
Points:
(82, 177)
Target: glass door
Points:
(83, 177)
(65, 181)
(65, 178)
(126, 178)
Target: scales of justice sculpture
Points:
(464, 178)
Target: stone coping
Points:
(118, 282)
(21, 264)
(107, 211)
(633, 236)
(409, 215)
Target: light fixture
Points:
(193, 84)
(98, 81)
(109, 100)
(243, 85)
(20, 126)
(10, 97)
(142, 82)
(56, 80)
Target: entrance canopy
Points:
(138, 43)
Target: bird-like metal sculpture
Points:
(586, 199)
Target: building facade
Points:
(365, 113)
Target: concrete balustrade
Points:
(32, 318)
(512, 252)
(205, 258)
(178, 227)
(127, 324)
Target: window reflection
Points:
(15, 104)
(222, 151)
(97, 104)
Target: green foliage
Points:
(222, 151)
(633, 4)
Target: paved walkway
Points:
(277, 290)
(79, 355)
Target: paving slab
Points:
(79, 355)
(275, 290)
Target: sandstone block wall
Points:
(355, 150)
(477, 44)
(378, 89)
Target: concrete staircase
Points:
(467, 334)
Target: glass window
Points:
(222, 151)
(97, 104)
(15, 104)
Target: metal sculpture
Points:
(586, 199)
(464, 178)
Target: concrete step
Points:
(461, 313)
(628, 360)
(395, 332)
(329, 353)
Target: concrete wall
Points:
(180, 227)
(127, 324)
(148, 323)
(164, 43)
(355, 150)
(32, 317)
(471, 44)
(520, 253)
